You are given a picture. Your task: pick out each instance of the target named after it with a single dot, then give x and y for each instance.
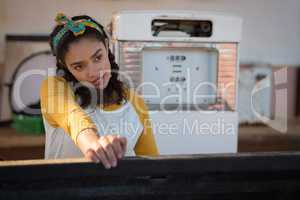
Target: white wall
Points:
(271, 27)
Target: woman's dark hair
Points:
(113, 93)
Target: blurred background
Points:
(269, 51)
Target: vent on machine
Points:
(181, 28)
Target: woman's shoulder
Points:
(131, 94)
(54, 79)
(54, 84)
(136, 99)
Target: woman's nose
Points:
(93, 72)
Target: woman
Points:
(87, 110)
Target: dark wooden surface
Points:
(20, 146)
(273, 175)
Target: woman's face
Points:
(87, 59)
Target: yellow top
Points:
(60, 109)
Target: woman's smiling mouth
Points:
(99, 81)
(96, 81)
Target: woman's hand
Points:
(106, 149)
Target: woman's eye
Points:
(98, 58)
(78, 67)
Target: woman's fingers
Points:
(103, 158)
(123, 142)
(109, 151)
(105, 149)
(91, 155)
(116, 145)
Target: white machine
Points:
(185, 65)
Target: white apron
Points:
(124, 121)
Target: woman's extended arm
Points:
(60, 109)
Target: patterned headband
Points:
(76, 27)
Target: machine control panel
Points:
(181, 76)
